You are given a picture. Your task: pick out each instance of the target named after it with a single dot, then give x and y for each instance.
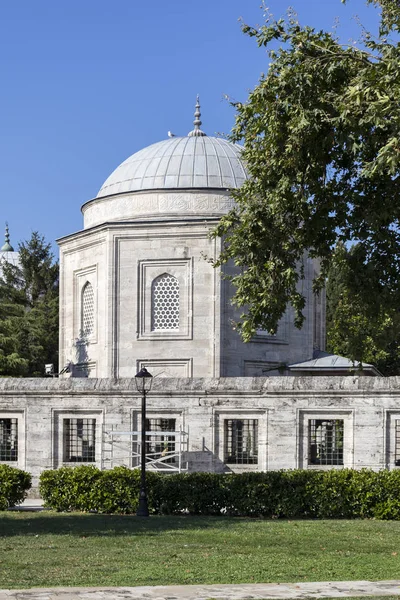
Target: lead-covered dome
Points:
(195, 161)
(176, 163)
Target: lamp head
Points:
(143, 380)
(49, 369)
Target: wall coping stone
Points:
(204, 386)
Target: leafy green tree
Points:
(321, 135)
(29, 311)
(372, 336)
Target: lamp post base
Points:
(143, 509)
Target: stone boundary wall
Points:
(367, 407)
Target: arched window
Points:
(87, 318)
(165, 303)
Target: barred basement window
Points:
(87, 310)
(8, 439)
(165, 303)
(325, 441)
(241, 441)
(79, 437)
(397, 443)
(160, 444)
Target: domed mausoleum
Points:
(136, 288)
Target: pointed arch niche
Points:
(165, 299)
(85, 313)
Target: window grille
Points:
(160, 444)
(87, 310)
(325, 441)
(8, 439)
(79, 440)
(241, 441)
(165, 303)
(265, 332)
(397, 443)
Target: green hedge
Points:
(14, 484)
(291, 494)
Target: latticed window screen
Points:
(241, 441)
(87, 309)
(160, 444)
(165, 303)
(397, 442)
(79, 440)
(8, 439)
(325, 441)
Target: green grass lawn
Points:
(56, 549)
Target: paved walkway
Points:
(203, 592)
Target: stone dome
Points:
(196, 161)
(192, 162)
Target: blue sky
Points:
(86, 83)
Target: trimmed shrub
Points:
(189, 493)
(117, 490)
(70, 488)
(14, 484)
(317, 494)
(387, 501)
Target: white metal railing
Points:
(166, 456)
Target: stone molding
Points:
(181, 367)
(174, 204)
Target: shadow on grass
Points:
(83, 524)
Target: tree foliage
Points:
(29, 310)
(321, 136)
(371, 336)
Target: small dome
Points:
(179, 163)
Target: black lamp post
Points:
(143, 380)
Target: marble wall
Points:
(366, 408)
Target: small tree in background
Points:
(29, 311)
(12, 362)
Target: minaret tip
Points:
(7, 246)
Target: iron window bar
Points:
(9, 440)
(325, 442)
(79, 440)
(397, 443)
(241, 441)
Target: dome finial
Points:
(7, 246)
(197, 114)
